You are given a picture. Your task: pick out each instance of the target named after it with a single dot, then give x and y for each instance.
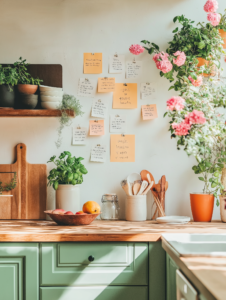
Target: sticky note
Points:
(125, 95)
(117, 123)
(148, 90)
(99, 108)
(87, 87)
(133, 69)
(92, 63)
(116, 64)
(106, 85)
(96, 127)
(79, 136)
(98, 153)
(149, 112)
(122, 148)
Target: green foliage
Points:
(8, 75)
(8, 186)
(22, 74)
(69, 102)
(69, 170)
(222, 24)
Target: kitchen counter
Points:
(98, 231)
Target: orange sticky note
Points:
(125, 95)
(92, 63)
(122, 148)
(106, 85)
(96, 127)
(149, 112)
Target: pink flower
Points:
(160, 56)
(211, 6)
(196, 82)
(175, 103)
(195, 117)
(164, 65)
(214, 18)
(182, 128)
(181, 58)
(136, 49)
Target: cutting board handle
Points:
(21, 153)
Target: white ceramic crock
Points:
(136, 208)
(223, 208)
(68, 197)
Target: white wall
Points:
(60, 31)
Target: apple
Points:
(58, 211)
(69, 213)
(80, 213)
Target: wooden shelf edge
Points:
(33, 113)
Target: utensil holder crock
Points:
(136, 208)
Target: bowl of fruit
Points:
(90, 211)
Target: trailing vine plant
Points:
(8, 186)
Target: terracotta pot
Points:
(203, 62)
(27, 88)
(202, 207)
(223, 208)
(223, 36)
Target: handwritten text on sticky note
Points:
(149, 112)
(122, 148)
(92, 63)
(87, 87)
(99, 108)
(148, 90)
(125, 95)
(106, 85)
(98, 153)
(96, 127)
(133, 69)
(116, 64)
(79, 136)
(117, 123)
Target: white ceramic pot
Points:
(68, 197)
(136, 208)
(223, 208)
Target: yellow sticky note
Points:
(96, 127)
(106, 85)
(125, 95)
(122, 148)
(92, 63)
(149, 112)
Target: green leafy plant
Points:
(8, 75)
(22, 74)
(69, 170)
(8, 186)
(222, 24)
(69, 102)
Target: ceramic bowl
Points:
(27, 101)
(27, 88)
(72, 220)
(52, 93)
(50, 105)
(44, 88)
(51, 98)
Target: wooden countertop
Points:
(99, 231)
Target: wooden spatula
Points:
(136, 187)
(144, 174)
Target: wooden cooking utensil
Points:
(136, 187)
(143, 187)
(144, 173)
(163, 191)
(148, 188)
(125, 186)
(29, 196)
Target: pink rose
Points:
(211, 6)
(181, 58)
(175, 103)
(136, 49)
(181, 128)
(165, 66)
(196, 82)
(214, 18)
(195, 117)
(160, 56)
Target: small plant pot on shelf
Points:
(223, 208)
(68, 197)
(136, 208)
(202, 207)
(203, 62)
(223, 36)
(27, 101)
(7, 97)
(27, 88)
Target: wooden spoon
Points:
(144, 174)
(148, 188)
(136, 188)
(125, 187)
(143, 187)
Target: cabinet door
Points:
(171, 269)
(94, 293)
(19, 271)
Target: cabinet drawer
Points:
(94, 293)
(72, 264)
(184, 289)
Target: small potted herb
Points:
(65, 178)
(8, 79)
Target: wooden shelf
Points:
(33, 113)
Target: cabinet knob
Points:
(91, 258)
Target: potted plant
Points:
(195, 121)
(65, 179)
(8, 79)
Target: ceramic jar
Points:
(202, 206)
(136, 208)
(7, 97)
(68, 197)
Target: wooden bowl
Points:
(72, 220)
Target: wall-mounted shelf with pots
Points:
(33, 113)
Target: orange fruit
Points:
(91, 207)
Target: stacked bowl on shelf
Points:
(27, 97)
(51, 97)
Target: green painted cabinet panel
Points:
(19, 271)
(68, 264)
(94, 293)
(157, 271)
(171, 268)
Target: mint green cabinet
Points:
(97, 293)
(19, 271)
(171, 269)
(74, 264)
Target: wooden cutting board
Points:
(28, 199)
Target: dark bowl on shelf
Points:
(27, 101)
